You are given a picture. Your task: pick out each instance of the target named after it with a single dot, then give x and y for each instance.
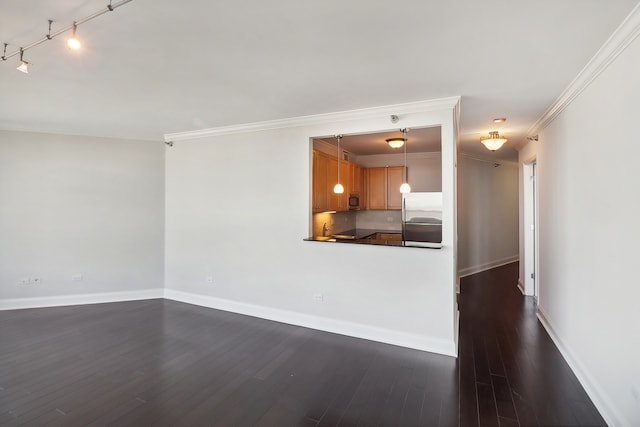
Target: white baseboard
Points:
(357, 330)
(78, 299)
(468, 271)
(521, 286)
(342, 327)
(591, 387)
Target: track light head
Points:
(24, 65)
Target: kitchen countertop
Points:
(358, 236)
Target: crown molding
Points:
(621, 38)
(364, 113)
(489, 160)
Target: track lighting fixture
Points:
(24, 65)
(72, 43)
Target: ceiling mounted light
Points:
(338, 189)
(73, 42)
(494, 141)
(500, 120)
(405, 187)
(395, 142)
(24, 65)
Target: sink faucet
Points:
(324, 230)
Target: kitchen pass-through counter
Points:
(373, 237)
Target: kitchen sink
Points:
(343, 236)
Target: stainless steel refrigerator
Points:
(422, 219)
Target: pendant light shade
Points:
(494, 141)
(395, 142)
(405, 187)
(338, 189)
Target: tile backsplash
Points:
(364, 219)
(379, 220)
(336, 222)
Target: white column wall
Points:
(237, 209)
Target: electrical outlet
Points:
(36, 280)
(318, 297)
(76, 277)
(209, 279)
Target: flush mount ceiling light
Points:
(405, 187)
(395, 142)
(494, 141)
(500, 120)
(72, 43)
(338, 189)
(24, 65)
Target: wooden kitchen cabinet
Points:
(325, 177)
(376, 188)
(356, 182)
(394, 181)
(320, 184)
(383, 187)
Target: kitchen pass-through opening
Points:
(371, 168)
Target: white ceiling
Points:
(156, 67)
(419, 140)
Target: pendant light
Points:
(73, 42)
(405, 187)
(338, 189)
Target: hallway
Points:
(511, 373)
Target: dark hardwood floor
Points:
(164, 363)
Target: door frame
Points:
(531, 227)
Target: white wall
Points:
(589, 233)
(487, 214)
(237, 209)
(79, 205)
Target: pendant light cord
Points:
(404, 134)
(339, 137)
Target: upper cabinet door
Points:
(320, 194)
(394, 181)
(376, 188)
